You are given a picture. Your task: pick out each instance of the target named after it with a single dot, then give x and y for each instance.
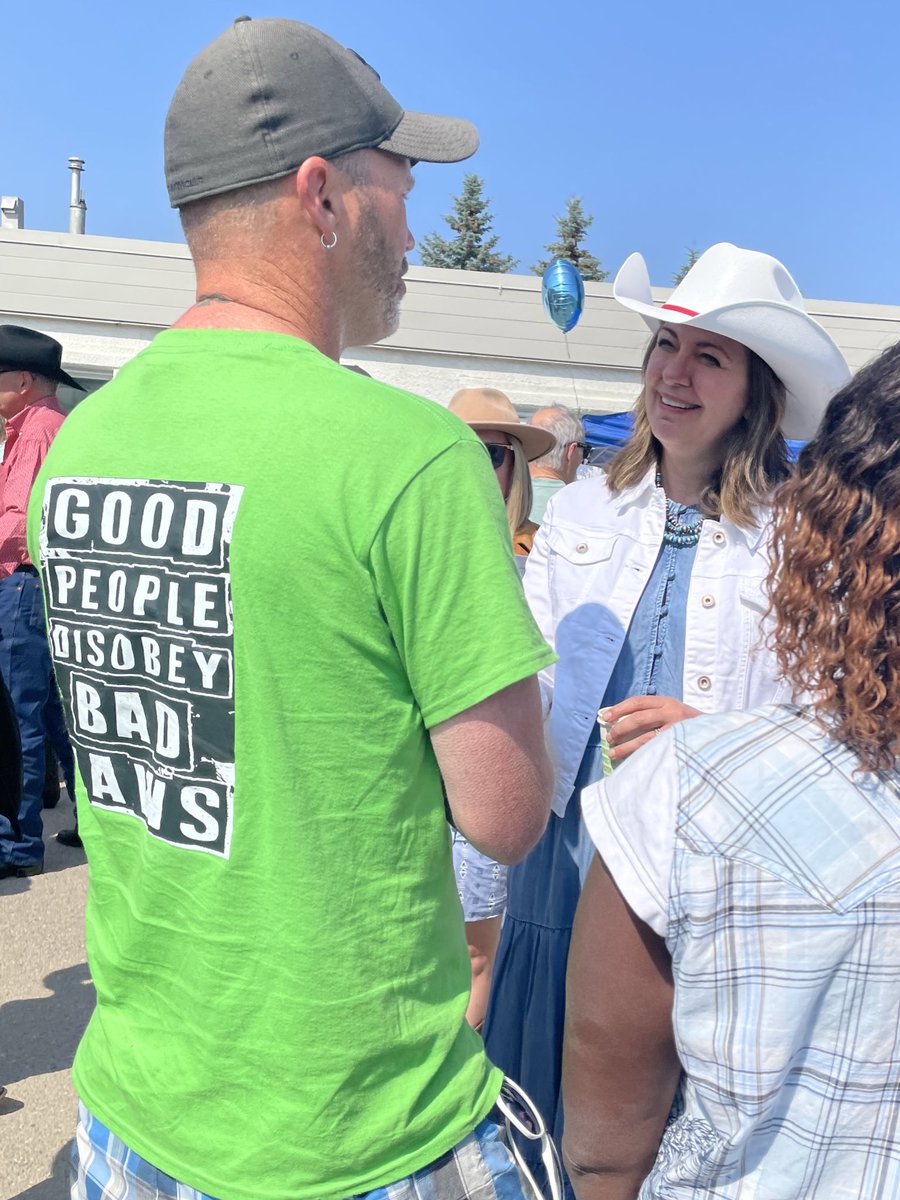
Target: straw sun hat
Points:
(750, 297)
(488, 408)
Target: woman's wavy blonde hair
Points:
(521, 493)
(756, 458)
(835, 580)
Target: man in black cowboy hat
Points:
(30, 372)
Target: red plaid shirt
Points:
(28, 437)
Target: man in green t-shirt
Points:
(271, 655)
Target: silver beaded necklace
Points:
(678, 532)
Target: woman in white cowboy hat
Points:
(481, 882)
(751, 1011)
(649, 583)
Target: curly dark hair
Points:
(835, 580)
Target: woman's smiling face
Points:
(695, 389)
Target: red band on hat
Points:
(677, 308)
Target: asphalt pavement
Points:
(46, 998)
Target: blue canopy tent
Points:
(610, 431)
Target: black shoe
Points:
(20, 870)
(70, 837)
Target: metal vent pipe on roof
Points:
(12, 212)
(77, 206)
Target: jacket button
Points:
(719, 537)
(708, 602)
(704, 683)
(581, 548)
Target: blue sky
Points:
(773, 124)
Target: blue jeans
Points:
(480, 1167)
(28, 675)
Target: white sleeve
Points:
(630, 817)
(537, 593)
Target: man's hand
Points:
(639, 718)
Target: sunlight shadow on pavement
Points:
(41, 1034)
(57, 1186)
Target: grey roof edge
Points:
(95, 242)
(480, 279)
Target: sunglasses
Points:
(584, 447)
(498, 454)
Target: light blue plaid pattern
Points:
(480, 1167)
(782, 915)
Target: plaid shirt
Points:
(773, 872)
(28, 437)
(480, 1167)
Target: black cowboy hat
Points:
(24, 349)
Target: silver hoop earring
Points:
(328, 245)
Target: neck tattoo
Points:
(214, 298)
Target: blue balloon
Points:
(562, 291)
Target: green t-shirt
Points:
(266, 578)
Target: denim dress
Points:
(524, 1028)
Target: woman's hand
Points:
(639, 718)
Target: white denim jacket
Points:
(591, 560)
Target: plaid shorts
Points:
(480, 1167)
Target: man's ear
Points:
(320, 192)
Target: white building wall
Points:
(105, 299)
(530, 385)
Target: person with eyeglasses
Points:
(560, 464)
(649, 584)
(511, 446)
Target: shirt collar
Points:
(14, 424)
(642, 495)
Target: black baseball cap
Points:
(267, 94)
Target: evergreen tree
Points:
(472, 249)
(570, 230)
(692, 256)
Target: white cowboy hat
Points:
(488, 408)
(750, 297)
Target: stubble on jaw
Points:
(379, 276)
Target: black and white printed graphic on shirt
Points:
(138, 590)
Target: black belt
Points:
(26, 569)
